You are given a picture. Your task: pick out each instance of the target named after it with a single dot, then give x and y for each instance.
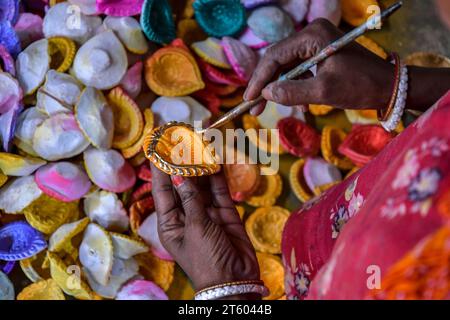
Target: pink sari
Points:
(383, 233)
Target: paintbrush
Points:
(308, 64)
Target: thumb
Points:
(191, 200)
(293, 92)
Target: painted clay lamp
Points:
(161, 144)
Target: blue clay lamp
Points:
(157, 21)
(220, 18)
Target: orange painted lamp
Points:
(177, 149)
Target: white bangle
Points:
(400, 103)
(231, 290)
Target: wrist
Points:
(216, 277)
(239, 290)
(384, 82)
(426, 86)
(208, 282)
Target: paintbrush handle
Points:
(308, 64)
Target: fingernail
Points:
(253, 111)
(177, 180)
(267, 92)
(246, 95)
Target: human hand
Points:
(199, 225)
(353, 78)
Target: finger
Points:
(297, 47)
(295, 92)
(165, 203)
(264, 72)
(258, 109)
(191, 200)
(221, 197)
(205, 189)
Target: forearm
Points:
(426, 86)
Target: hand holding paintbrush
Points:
(323, 54)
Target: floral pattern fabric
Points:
(334, 244)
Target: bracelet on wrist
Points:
(383, 114)
(396, 114)
(232, 289)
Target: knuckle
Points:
(317, 23)
(188, 196)
(324, 29)
(281, 95)
(257, 70)
(169, 235)
(278, 93)
(322, 24)
(162, 188)
(168, 241)
(166, 229)
(168, 213)
(272, 55)
(271, 52)
(164, 234)
(258, 73)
